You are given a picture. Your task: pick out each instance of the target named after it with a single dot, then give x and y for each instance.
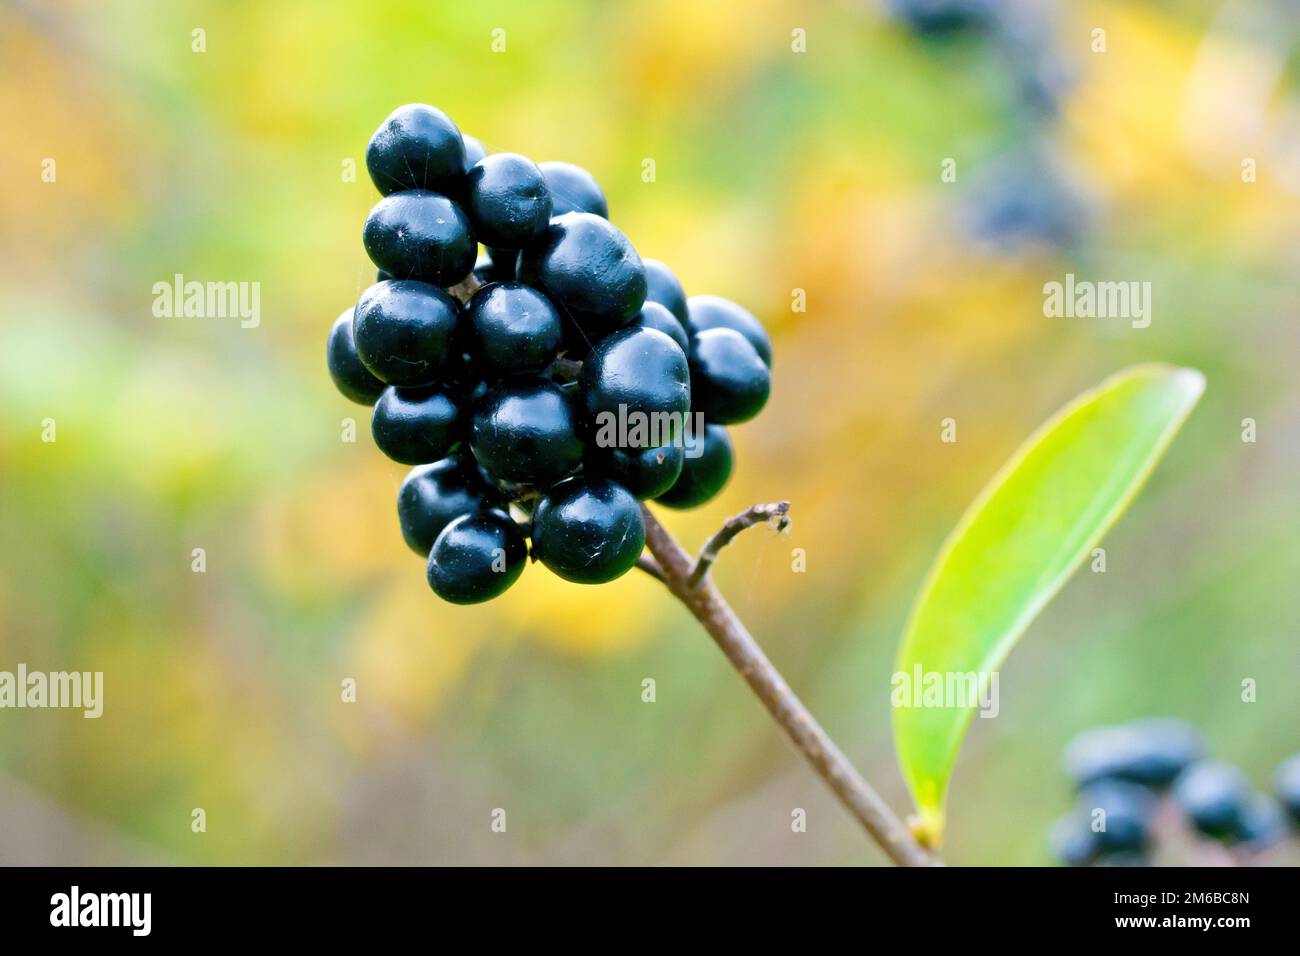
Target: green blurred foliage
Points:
(775, 171)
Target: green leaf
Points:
(1015, 547)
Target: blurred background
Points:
(776, 170)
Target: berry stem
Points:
(709, 607)
(778, 514)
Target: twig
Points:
(712, 611)
(778, 514)
(651, 567)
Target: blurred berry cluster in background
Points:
(886, 184)
(1149, 795)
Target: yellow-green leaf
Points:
(1014, 548)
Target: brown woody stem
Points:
(677, 571)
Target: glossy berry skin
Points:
(415, 147)
(1151, 751)
(405, 331)
(662, 287)
(350, 377)
(476, 557)
(589, 269)
(588, 530)
(635, 371)
(525, 431)
(714, 312)
(415, 425)
(420, 235)
(645, 472)
(1127, 808)
(657, 317)
(1287, 784)
(703, 476)
(508, 202)
(474, 150)
(434, 495)
(573, 189)
(1213, 795)
(514, 328)
(729, 382)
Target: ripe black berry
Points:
(588, 530)
(645, 472)
(635, 371)
(1152, 751)
(1073, 841)
(514, 328)
(662, 287)
(526, 431)
(1122, 813)
(416, 147)
(589, 269)
(1287, 783)
(729, 382)
(351, 378)
(1263, 822)
(657, 317)
(420, 235)
(1213, 796)
(415, 425)
(573, 189)
(434, 495)
(476, 557)
(508, 202)
(713, 311)
(474, 150)
(704, 475)
(405, 331)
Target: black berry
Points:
(476, 558)
(662, 287)
(434, 495)
(415, 425)
(420, 235)
(1152, 751)
(351, 377)
(713, 312)
(508, 202)
(515, 328)
(474, 151)
(645, 472)
(1287, 783)
(405, 331)
(729, 382)
(636, 371)
(1119, 813)
(588, 530)
(1213, 796)
(589, 269)
(704, 474)
(657, 317)
(526, 431)
(416, 147)
(573, 189)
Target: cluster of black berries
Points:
(1127, 774)
(543, 389)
